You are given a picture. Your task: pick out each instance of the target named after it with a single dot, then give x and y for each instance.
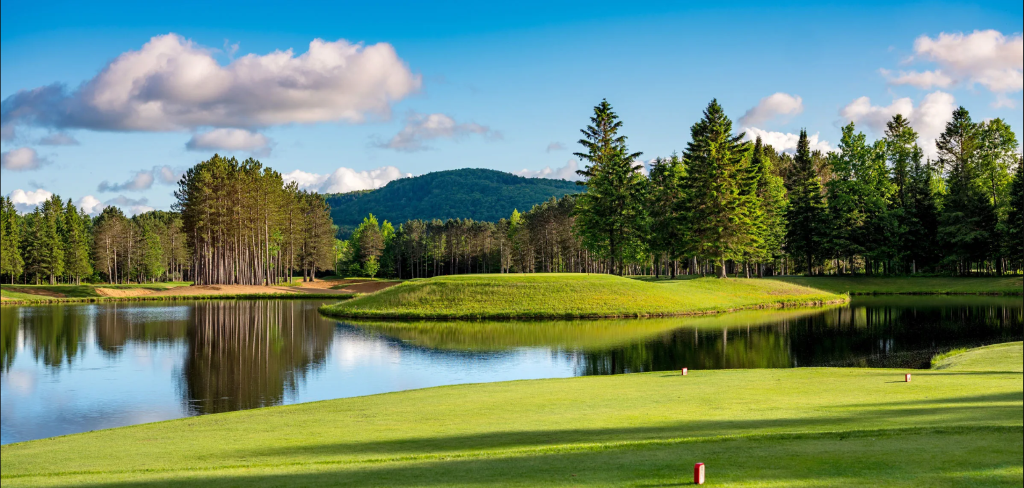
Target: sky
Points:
(107, 103)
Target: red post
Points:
(907, 377)
(698, 474)
(684, 371)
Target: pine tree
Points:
(610, 216)
(902, 154)
(716, 198)
(771, 197)
(921, 234)
(76, 244)
(807, 232)
(968, 219)
(1014, 234)
(665, 189)
(11, 262)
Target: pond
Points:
(75, 368)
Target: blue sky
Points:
(503, 86)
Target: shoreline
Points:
(155, 298)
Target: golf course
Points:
(958, 424)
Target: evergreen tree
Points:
(665, 189)
(717, 200)
(807, 227)
(967, 223)
(1014, 234)
(610, 216)
(773, 203)
(47, 248)
(902, 155)
(922, 232)
(846, 196)
(76, 244)
(11, 262)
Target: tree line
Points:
(233, 223)
(731, 206)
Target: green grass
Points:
(23, 294)
(911, 285)
(960, 426)
(501, 296)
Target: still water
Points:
(75, 368)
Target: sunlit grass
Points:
(868, 285)
(960, 426)
(572, 295)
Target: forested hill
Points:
(478, 194)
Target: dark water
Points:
(75, 368)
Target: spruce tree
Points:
(665, 180)
(771, 198)
(807, 233)
(11, 262)
(902, 155)
(76, 244)
(719, 220)
(1013, 237)
(968, 219)
(611, 217)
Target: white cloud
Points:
(26, 201)
(423, 127)
(928, 118)
(984, 57)
(567, 172)
(22, 159)
(785, 141)
(230, 140)
(90, 205)
(344, 180)
(772, 106)
(58, 139)
(919, 79)
(173, 84)
(131, 206)
(144, 179)
(555, 146)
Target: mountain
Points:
(478, 194)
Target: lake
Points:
(75, 368)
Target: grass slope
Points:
(53, 294)
(789, 427)
(938, 285)
(571, 295)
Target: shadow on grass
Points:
(986, 457)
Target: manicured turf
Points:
(572, 295)
(45, 293)
(54, 294)
(760, 427)
(866, 285)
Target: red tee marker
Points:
(906, 377)
(684, 371)
(698, 474)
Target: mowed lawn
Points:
(958, 426)
(572, 295)
(867, 285)
(44, 293)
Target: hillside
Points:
(478, 194)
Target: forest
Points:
(728, 206)
(233, 223)
(724, 206)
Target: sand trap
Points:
(347, 286)
(366, 286)
(223, 290)
(36, 291)
(123, 292)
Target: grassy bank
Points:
(572, 295)
(910, 285)
(959, 426)
(52, 294)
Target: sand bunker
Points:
(122, 292)
(36, 291)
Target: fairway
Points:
(558, 295)
(782, 427)
(912, 285)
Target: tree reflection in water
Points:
(250, 354)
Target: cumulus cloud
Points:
(785, 141)
(555, 146)
(919, 79)
(344, 180)
(144, 179)
(173, 84)
(420, 128)
(58, 139)
(26, 201)
(984, 57)
(928, 118)
(772, 106)
(230, 140)
(90, 205)
(22, 159)
(132, 206)
(567, 172)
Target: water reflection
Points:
(73, 368)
